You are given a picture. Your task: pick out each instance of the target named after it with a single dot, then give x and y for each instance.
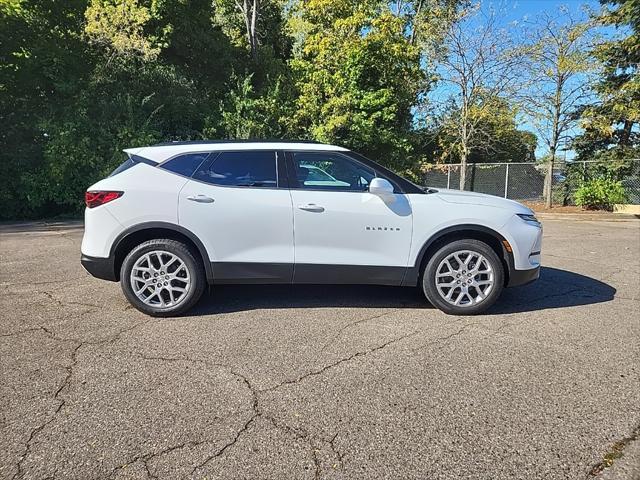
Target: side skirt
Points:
(236, 272)
(266, 273)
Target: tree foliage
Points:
(600, 194)
(357, 76)
(611, 125)
(82, 79)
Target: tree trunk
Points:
(555, 140)
(253, 34)
(250, 16)
(463, 168)
(414, 34)
(548, 181)
(626, 133)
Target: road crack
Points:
(349, 325)
(341, 361)
(256, 413)
(64, 385)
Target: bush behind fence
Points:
(525, 181)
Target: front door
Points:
(242, 213)
(343, 233)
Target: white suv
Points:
(174, 217)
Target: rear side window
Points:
(185, 164)
(241, 169)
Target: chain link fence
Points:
(525, 181)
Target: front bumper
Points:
(522, 277)
(102, 268)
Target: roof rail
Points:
(201, 142)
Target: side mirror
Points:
(380, 186)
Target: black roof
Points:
(256, 140)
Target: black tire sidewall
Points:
(429, 282)
(196, 271)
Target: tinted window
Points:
(127, 164)
(244, 169)
(330, 171)
(185, 164)
(130, 162)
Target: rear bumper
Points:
(522, 277)
(99, 267)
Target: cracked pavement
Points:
(322, 382)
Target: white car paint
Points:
(241, 224)
(353, 228)
(278, 225)
(448, 208)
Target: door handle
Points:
(311, 207)
(200, 199)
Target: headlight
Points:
(529, 218)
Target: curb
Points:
(606, 217)
(42, 226)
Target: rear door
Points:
(343, 233)
(239, 206)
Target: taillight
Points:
(95, 199)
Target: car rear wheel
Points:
(464, 277)
(162, 278)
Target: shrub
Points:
(600, 194)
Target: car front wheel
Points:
(162, 278)
(464, 277)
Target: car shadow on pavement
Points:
(556, 288)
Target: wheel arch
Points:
(137, 234)
(458, 232)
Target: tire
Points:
(170, 286)
(452, 267)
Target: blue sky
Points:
(521, 8)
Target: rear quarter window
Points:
(126, 165)
(131, 161)
(185, 164)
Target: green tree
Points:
(118, 25)
(43, 64)
(259, 88)
(357, 77)
(247, 115)
(611, 124)
(81, 80)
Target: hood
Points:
(475, 198)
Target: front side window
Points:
(240, 169)
(185, 164)
(330, 171)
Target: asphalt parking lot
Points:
(322, 382)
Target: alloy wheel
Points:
(464, 278)
(160, 279)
